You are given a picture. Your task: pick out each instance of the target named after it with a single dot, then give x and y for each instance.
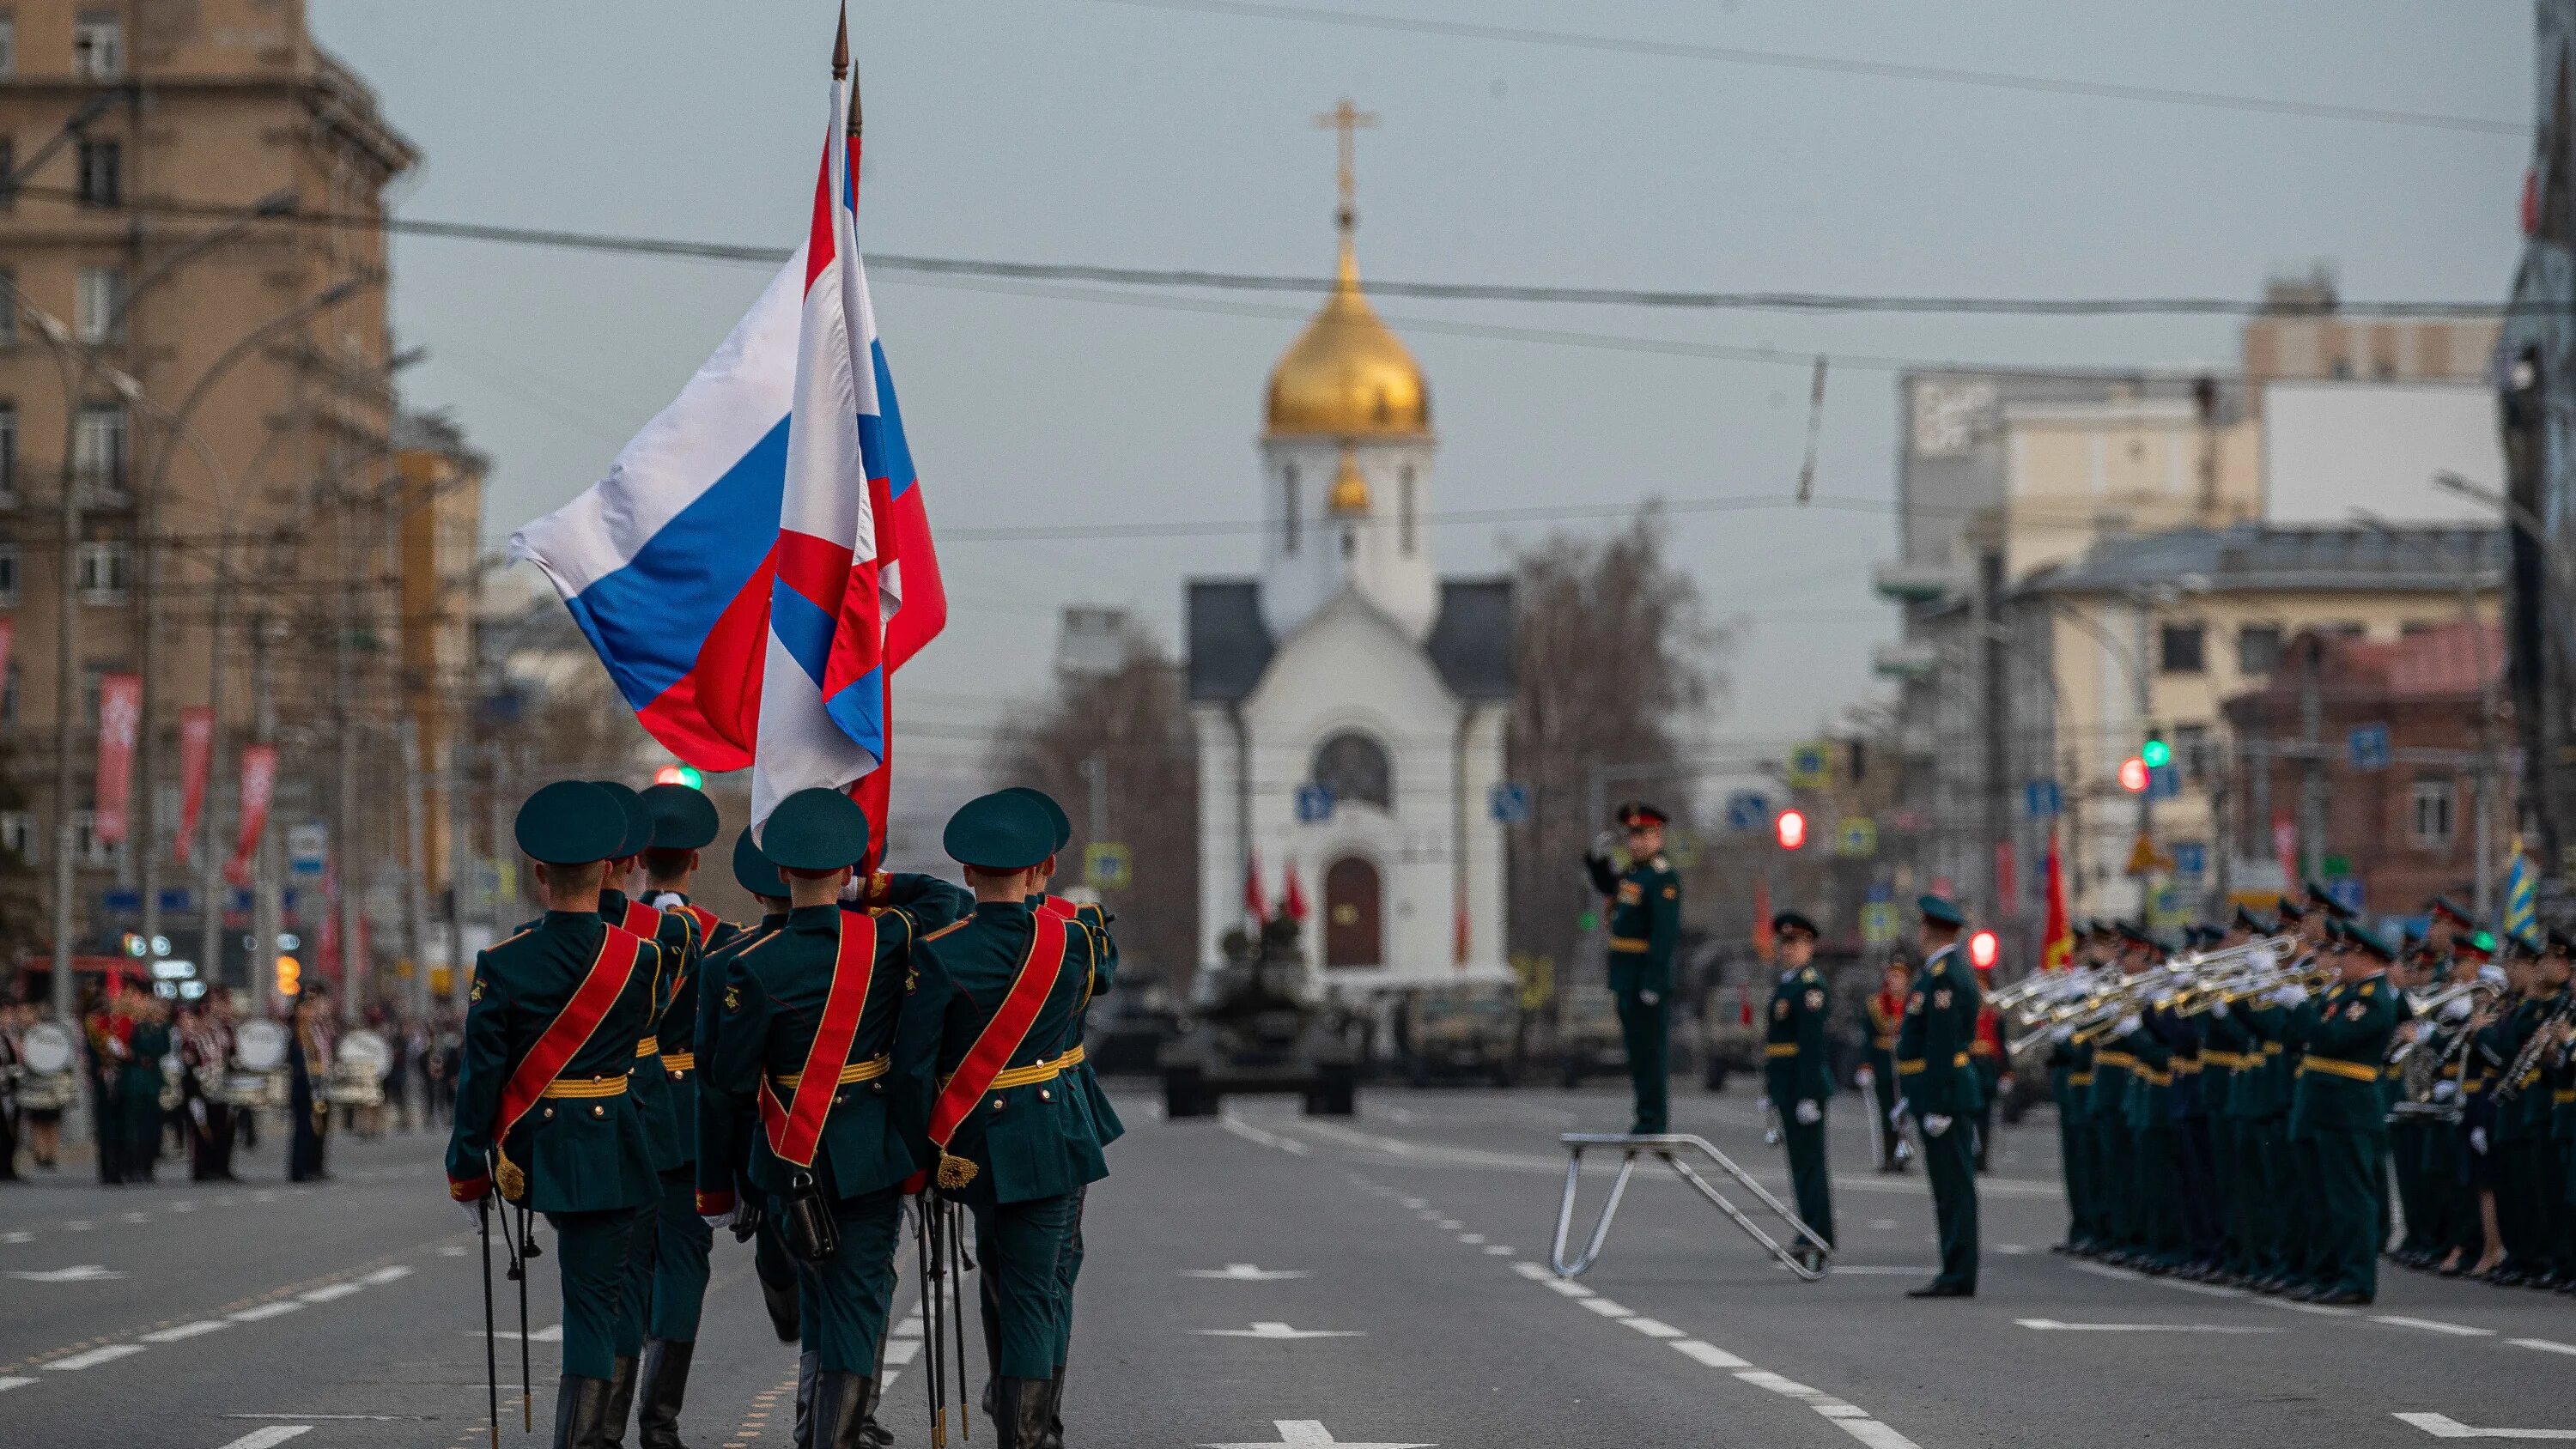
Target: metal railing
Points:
(1665, 1145)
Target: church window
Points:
(1288, 501)
(1355, 768)
(1350, 541)
(1404, 511)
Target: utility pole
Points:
(2141, 684)
(267, 908)
(2312, 769)
(459, 851)
(415, 860)
(344, 713)
(1095, 773)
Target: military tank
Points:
(1258, 1026)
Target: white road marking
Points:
(2327, 1309)
(1450, 1225)
(1245, 1273)
(1652, 1328)
(451, 1251)
(2105, 1270)
(1473, 1240)
(1570, 1290)
(1533, 1272)
(2443, 1426)
(1497, 1250)
(1708, 1353)
(1837, 1409)
(1875, 1434)
(1410, 1204)
(186, 1330)
(2432, 1325)
(96, 1356)
(2012, 1250)
(6, 1384)
(135, 1218)
(332, 1292)
(2543, 1344)
(1884, 1225)
(909, 1328)
(1606, 1308)
(1871, 1270)
(2052, 1325)
(79, 1225)
(1765, 1379)
(1278, 1332)
(14, 1239)
(80, 1273)
(183, 1206)
(903, 1352)
(266, 1310)
(270, 1437)
(382, 1276)
(1309, 1434)
(542, 1335)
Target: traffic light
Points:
(1792, 829)
(290, 976)
(1981, 950)
(2156, 752)
(2133, 774)
(680, 775)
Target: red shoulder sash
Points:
(563, 1038)
(707, 922)
(796, 1130)
(1003, 1035)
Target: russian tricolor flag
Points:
(757, 561)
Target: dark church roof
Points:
(1472, 641)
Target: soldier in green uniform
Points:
(544, 1108)
(2070, 1080)
(1940, 1092)
(1886, 1008)
(1796, 1075)
(1645, 924)
(2229, 1054)
(139, 1080)
(803, 1037)
(988, 1033)
(2337, 1118)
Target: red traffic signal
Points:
(1791, 828)
(1982, 948)
(2133, 775)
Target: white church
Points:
(1350, 676)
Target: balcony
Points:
(1904, 659)
(1914, 583)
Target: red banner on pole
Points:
(258, 787)
(8, 631)
(2057, 933)
(120, 718)
(2285, 844)
(196, 761)
(2007, 878)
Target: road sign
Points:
(1856, 837)
(2144, 859)
(1107, 865)
(1510, 803)
(1314, 804)
(1878, 923)
(2191, 858)
(2346, 891)
(1681, 847)
(308, 848)
(1811, 767)
(2042, 800)
(2368, 747)
(1748, 810)
(2164, 782)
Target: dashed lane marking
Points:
(2545, 1345)
(1651, 1327)
(332, 1292)
(6, 1384)
(270, 1437)
(1708, 1353)
(2432, 1325)
(1497, 1250)
(94, 1357)
(1245, 1273)
(1278, 1332)
(2051, 1325)
(1606, 1308)
(186, 1330)
(266, 1310)
(2443, 1426)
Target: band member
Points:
(1940, 1092)
(205, 1053)
(2230, 1057)
(12, 1064)
(1796, 1074)
(2337, 1117)
(107, 1027)
(1886, 1016)
(2070, 1082)
(803, 1035)
(1645, 925)
(987, 1034)
(139, 1081)
(1986, 1059)
(2160, 1241)
(311, 1038)
(544, 1110)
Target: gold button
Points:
(1045, 1096)
(997, 1104)
(598, 1111)
(550, 1113)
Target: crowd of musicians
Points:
(877, 1050)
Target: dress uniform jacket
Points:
(674, 1145)
(1936, 1080)
(1794, 1070)
(1645, 922)
(2338, 1126)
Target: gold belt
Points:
(592, 1087)
(2079, 1079)
(2122, 1060)
(649, 1047)
(679, 1061)
(2189, 1068)
(866, 1071)
(1780, 1049)
(2353, 1071)
(1630, 944)
(1046, 1071)
(1883, 1043)
(2563, 1096)
(2154, 1078)
(2229, 1060)
(2271, 1049)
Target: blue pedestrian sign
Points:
(2164, 782)
(1748, 810)
(2368, 746)
(1314, 804)
(2042, 800)
(2346, 890)
(1510, 804)
(2191, 858)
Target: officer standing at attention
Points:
(543, 1109)
(684, 822)
(803, 1035)
(1645, 925)
(1796, 1074)
(1939, 1090)
(988, 1034)
(2338, 1121)
(308, 1074)
(1886, 1018)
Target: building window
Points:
(8, 46)
(98, 45)
(8, 281)
(2258, 650)
(91, 851)
(18, 835)
(102, 173)
(1288, 504)
(8, 575)
(1404, 510)
(98, 305)
(10, 686)
(8, 174)
(2434, 815)
(2192, 751)
(1355, 768)
(106, 573)
(100, 455)
(2179, 649)
(8, 453)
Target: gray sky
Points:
(1094, 131)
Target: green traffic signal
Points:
(2157, 753)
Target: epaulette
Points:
(1940, 966)
(1659, 863)
(1809, 975)
(506, 940)
(756, 945)
(951, 926)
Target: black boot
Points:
(1054, 1436)
(621, 1403)
(782, 1306)
(665, 1374)
(838, 1401)
(808, 1366)
(872, 1433)
(1021, 1418)
(581, 1408)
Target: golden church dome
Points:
(1347, 375)
(1350, 495)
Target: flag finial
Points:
(841, 47)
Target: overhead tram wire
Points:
(1833, 65)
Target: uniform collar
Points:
(822, 915)
(995, 910)
(774, 921)
(567, 918)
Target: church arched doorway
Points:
(1353, 921)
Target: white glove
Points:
(2062, 1033)
(1809, 1114)
(1936, 1125)
(473, 1213)
(2478, 1141)
(1603, 844)
(2457, 1009)
(718, 1222)
(2445, 1091)
(1647, 998)
(2218, 1009)
(1867, 1076)
(2291, 995)
(1762, 1103)
(1896, 1115)
(2161, 999)
(2128, 1024)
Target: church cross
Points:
(1348, 120)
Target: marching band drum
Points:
(48, 1084)
(358, 1070)
(257, 1077)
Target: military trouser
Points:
(2225, 1167)
(1950, 1160)
(1068, 1268)
(1020, 1246)
(2115, 1173)
(681, 1241)
(1990, 1078)
(636, 1302)
(2196, 1190)
(2074, 1164)
(591, 1255)
(2155, 1188)
(1809, 1177)
(2438, 1169)
(2269, 1174)
(847, 1296)
(2406, 1161)
(1645, 1030)
(1882, 1088)
(2339, 1161)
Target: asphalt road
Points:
(1274, 1279)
